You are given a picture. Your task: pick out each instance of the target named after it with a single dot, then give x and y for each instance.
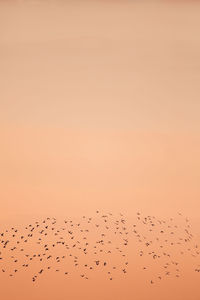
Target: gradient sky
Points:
(99, 106)
(99, 109)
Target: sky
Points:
(99, 105)
(99, 108)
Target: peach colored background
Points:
(99, 108)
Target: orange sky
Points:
(99, 108)
(100, 103)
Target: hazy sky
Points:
(99, 106)
(99, 109)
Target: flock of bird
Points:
(92, 245)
